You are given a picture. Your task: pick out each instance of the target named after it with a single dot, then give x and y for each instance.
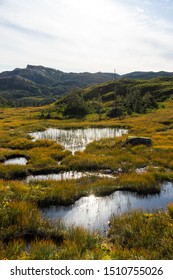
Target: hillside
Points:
(116, 98)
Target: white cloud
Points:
(85, 35)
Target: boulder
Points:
(136, 140)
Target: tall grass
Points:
(136, 235)
(142, 183)
(19, 218)
(14, 250)
(10, 172)
(149, 234)
(43, 250)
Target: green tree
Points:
(134, 102)
(149, 101)
(115, 113)
(75, 106)
(117, 109)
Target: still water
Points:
(18, 160)
(94, 212)
(60, 176)
(77, 139)
(69, 175)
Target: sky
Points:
(87, 35)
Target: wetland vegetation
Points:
(26, 233)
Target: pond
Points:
(94, 213)
(17, 160)
(77, 139)
(69, 175)
(60, 176)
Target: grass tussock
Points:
(13, 172)
(20, 143)
(141, 183)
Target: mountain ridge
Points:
(50, 76)
(40, 85)
(58, 74)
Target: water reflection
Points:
(60, 176)
(94, 212)
(66, 176)
(77, 139)
(19, 161)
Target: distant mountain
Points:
(37, 74)
(39, 85)
(51, 77)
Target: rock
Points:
(120, 170)
(135, 140)
(141, 170)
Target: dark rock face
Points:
(138, 141)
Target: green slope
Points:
(117, 98)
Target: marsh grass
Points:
(79, 241)
(55, 192)
(43, 250)
(17, 216)
(141, 183)
(20, 143)
(136, 235)
(139, 231)
(66, 192)
(14, 250)
(8, 154)
(11, 172)
(43, 157)
(170, 209)
(22, 220)
(88, 162)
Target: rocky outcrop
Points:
(135, 140)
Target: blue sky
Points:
(87, 35)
